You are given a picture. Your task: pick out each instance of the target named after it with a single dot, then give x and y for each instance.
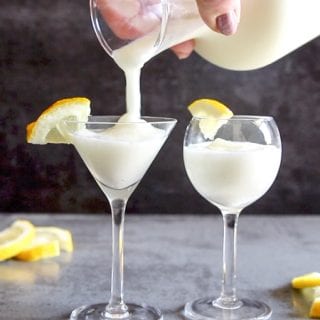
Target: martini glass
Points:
(231, 167)
(117, 154)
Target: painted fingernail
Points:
(227, 23)
(182, 54)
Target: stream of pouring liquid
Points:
(133, 94)
(131, 59)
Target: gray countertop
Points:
(169, 260)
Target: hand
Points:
(127, 19)
(220, 15)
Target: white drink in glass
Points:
(231, 169)
(118, 156)
(231, 173)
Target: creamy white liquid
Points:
(231, 174)
(133, 96)
(118, 157)
(132, 57)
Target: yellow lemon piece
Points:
(306, 301)
(16, 238)
(209, 108)
(307, 280)
(211, 112)
(46, 128)
(64, 236)
(315, 308)
(44, 245)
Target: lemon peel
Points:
(64, 236)
(16, 238)
(307, 280)
(42, 246)
(315, 308)
(308, 285)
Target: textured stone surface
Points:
(169, 260)
(48, 50)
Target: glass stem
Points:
(116, 307)
(228, 298)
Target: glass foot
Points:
(208, 309)
(97, 312)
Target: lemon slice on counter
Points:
(44, 245)
(210, 110)
(309, 288)
(311, 301)
(16, 238)
(64, 236)
(45, 129)
(315, 308)
(307, 280)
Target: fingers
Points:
(184, 49)
(118, 19)
(129, 19)
(220, 15)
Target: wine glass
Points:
(117, 154)
(231, 169)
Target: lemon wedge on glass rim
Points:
(210, 111)
(45, 129)
(16, 238)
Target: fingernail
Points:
(227, 23)
(182, 54)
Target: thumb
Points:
(220, 15)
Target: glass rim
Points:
(238, 117)
(113, 119)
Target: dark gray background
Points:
(48, 51)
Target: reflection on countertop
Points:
(169, 260)
(29, 273)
